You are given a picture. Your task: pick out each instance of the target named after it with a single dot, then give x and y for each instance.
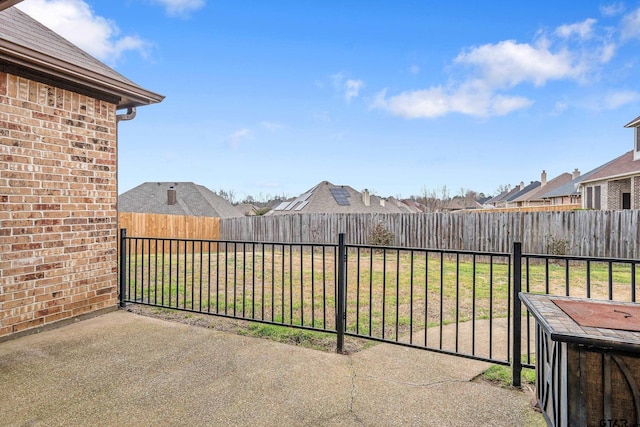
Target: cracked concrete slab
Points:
(121, 369)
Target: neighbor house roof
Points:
(620, 167)
(532, 186)
(537, 194)
(499, 197)
(462, 203)
(29, 48)
(328, 198)
(190, 199)
(571, 188)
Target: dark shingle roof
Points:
(191, 199)
(532, 186)
(25, 42)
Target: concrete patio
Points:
(122, 369)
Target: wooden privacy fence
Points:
(587, 233)
(169, 226)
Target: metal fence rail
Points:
(455, 302)
(585, 277)
(276, 283)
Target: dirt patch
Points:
(293, 336)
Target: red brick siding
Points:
(58, 231)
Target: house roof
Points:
(462, 203)
(28, 46)
(633, 123)
(532, 186)
(620, 167)
(191, 199)
(4, 4)
(329, 198)
(247, 209)
(537, 194)
(571, 188)
(499, 197)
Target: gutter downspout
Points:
(129, 115)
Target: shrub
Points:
(557, 246)
(380, 236)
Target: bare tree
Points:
(228, 195)
(502, 188)
(434, 200)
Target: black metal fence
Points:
(453, 302)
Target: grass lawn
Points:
(391, 294)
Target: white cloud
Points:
(559, 108)
(582, 29)
(352, 89)
(618, 99)
(240, 135)
(507, 63)
(630, 25)
(494, 71)
(272, 126)
(349, 88)
(612, 9)
(180, 7)
(470, 99)
(76, 21)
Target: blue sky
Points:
(271, 97)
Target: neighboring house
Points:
(569, 193)
(496, 200)
(509, 201)
(404, 206)
(247, 209)
(176, 198)
(535, 196)
(414, 205)
(328, 198)
(616, 185)
(462, 204)
(58, 178)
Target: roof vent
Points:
(171, 196)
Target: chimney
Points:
(366, 197)
(575, 174)
(543, 179)
(171, 196)
(521, 185)
(382, 202)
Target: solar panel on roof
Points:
(281, 206)
(301, 206)
(341, 196)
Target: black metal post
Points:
(340, 303)
(123, 266)
(516, 362)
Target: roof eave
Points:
(612, 177)
(130, 95)
(5, 4)
(633, 123)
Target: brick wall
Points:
(58, 231)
